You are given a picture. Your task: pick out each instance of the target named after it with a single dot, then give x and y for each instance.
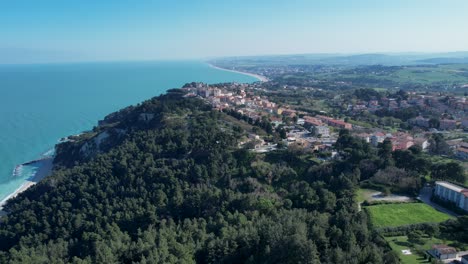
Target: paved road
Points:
(378, 196)
(425, 196)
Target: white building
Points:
(464, 259)
(443, 252)
(453, 193)
(377, 138)
(323, 131)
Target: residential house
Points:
(359, 107)
(364, 136)
(443, 252)
(216, 92)
(377, 138)
(322, 131)
(420, 122)
(300, 121)
(454, 144)
(289, 113)
(392, 104)
(340, 124)
(462, 151)
(204, 92)
(422, 142)
(447, 124)
(373, 103)
(401, 141)
(311, 122)
(334, 122)
(464, 123)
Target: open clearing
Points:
(400, 243)
(375, 195)
(389, 215)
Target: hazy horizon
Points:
(89, 31)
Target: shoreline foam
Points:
(258, 77)
(44, 170)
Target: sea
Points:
(42, 103)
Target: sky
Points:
(33, 31)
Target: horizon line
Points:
(209, 58)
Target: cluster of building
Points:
(462, 151)
(433, 104)
(235, 96)
(316, 131)
(374, 105)
(308, 131)
(400, 140)
(443, 124)
(447, 254)
(334, 122)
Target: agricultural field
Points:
(429, 75)
(399, 214)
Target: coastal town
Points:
(319, 132)
(230, 132)
(409, 149)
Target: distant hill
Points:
(389, 59)
(445, 60)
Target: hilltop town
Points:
(405, 118)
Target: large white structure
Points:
(453, 193)
(443, 252)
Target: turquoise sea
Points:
(39, 104)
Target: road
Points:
(425, 196)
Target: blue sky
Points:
(91, 30)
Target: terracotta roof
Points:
(463, 150)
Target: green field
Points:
(364, 194)
(389, 215)
(428, 74)
(400, 243)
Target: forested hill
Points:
(165, 182)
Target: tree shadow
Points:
(403, 244)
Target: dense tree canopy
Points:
(177, 189)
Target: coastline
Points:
(44, 169)
(258, 77)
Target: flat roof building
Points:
(453, 193)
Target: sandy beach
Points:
(259, 77)
(44, 170)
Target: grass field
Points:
(364, 194)
(389, 215)
(400, 243)
(421, 74)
